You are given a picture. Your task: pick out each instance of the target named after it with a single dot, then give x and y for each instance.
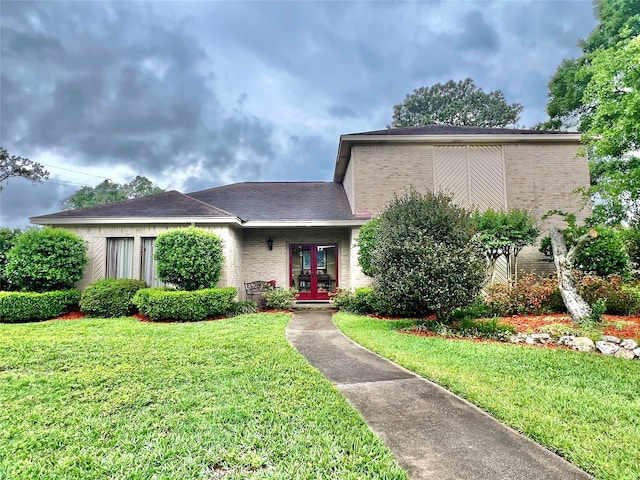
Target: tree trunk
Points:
(576, 305)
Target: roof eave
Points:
(45, 220)
(305, 223)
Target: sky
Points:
(199, 94)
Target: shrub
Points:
(620, 298)
(366, 244)
(165, 304)
(424, 260)
(529, 296)
(279, 298)
(29, 306)
(490, 329)
(110, 297)
(189, 258)
(363, 300)
(8, 239)
(46, 259)
(631, 238)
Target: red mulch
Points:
(71, 316)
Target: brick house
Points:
(303, 234)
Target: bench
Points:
(256, 287)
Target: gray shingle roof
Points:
(454, 130)
(280, 200)
(166, 204)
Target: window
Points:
(120, 257)
(149, 263)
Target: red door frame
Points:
(313, 294)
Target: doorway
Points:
(313, 269)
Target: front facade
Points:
(303, 234)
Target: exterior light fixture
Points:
(270, 243)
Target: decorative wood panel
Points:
(486, 174)
(451, 172)
(99, 258)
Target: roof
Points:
(280, 200)
(256, 202)
(165, 204)
(445, 134)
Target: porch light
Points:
(270, 243)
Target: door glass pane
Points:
(301, 268)
(326, 268)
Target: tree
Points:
(189, 258)
(424, 259)
(107, 192)
(566, 106)
(505, 234)
(8, 239)
(46, 259)
(455, 103)
(14, 166)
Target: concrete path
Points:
(432, 433)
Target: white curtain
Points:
(120, 258)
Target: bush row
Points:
(163, 304)
(29, 306)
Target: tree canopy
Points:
(455, 103)
(108, 191)
(15, 166)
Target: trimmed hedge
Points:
(180, 305)
(29, 307)
(110, 298)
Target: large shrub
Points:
(46, 259)
(187, 306)
(620, 299)
(424, 260)
(110, 297)
(8, 239)
(29, 306)
(189, 258)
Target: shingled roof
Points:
(457, 130)
(280, 200)
(165, 204)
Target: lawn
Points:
(584, 406)
(119, 398)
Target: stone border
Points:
(607, 345)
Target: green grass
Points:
(585, 407)
(118, 398)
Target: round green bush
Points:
(46, 259)
(110, 298)
(189, 258)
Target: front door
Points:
(313, 269)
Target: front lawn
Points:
(584, 406)
(119, 398)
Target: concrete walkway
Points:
(432, 433)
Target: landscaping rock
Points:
(624, 353)
(607, 348)
(540, 337)
(629, 344)
(582, 344)
(610, 339)
(636, 352)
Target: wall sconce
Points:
(270, 243)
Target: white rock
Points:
(636, 352)
(607, 348)
(583, 344)
(629, 344)
(610, 339)
(624, 353)
(529, 340)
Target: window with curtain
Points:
(149, 263)
(120, 257)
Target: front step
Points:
(315, 305)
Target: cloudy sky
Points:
(197, 94)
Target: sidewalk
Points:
(432, 433)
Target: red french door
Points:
(313, 269)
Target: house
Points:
(303, 234)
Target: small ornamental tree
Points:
(189, 258)
(47, 259)
(366, 244)
(425, 259)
